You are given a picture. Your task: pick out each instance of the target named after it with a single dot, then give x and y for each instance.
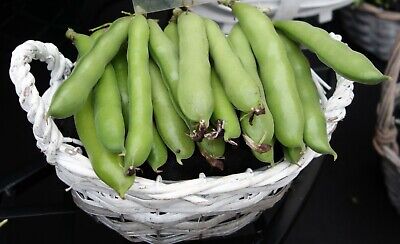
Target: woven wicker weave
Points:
(277, 9)
(385, 140)
(372, 28)
(157, 211)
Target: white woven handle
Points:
(48, 137)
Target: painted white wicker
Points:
(277, 9)
(156, 211)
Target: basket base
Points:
(165, 229)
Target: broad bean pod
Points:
(276, 74)
(139, 140)
(170, 126)
(315, 131)
(120, 65)
(259, 134)
(223, 110)
(239, 86)
(335, 54)
(106, 165)
(73, 92)
(158, 155)
(194, 91)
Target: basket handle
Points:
(385, 132)
(48, 136)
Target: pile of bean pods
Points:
(137, 90)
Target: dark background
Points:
(347, 202)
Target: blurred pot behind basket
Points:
(372, 28)
(385, 141)
(276, 9)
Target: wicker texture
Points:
(157, 211)
(385, 140)
(372, 28)
(277, 9)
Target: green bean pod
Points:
(106, 165)
(275, 72)
(315, 131)
(170, 126)
(340, 57)
(241, 47)
(239, 86)
(120, 65)
(171, 30)
(223, 110)
(293, 155)
(259, 134)
(158, 155)
(165, 50)
(164, 54)
(194, 91)
(140, 134)
(197, 130)
(73, 92)
(107, 107)
(82, 43)
(108, 117)
(213, 151)
(266, 157)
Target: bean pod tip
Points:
(70, 33)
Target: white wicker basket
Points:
(277, 9)
(156, 211)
